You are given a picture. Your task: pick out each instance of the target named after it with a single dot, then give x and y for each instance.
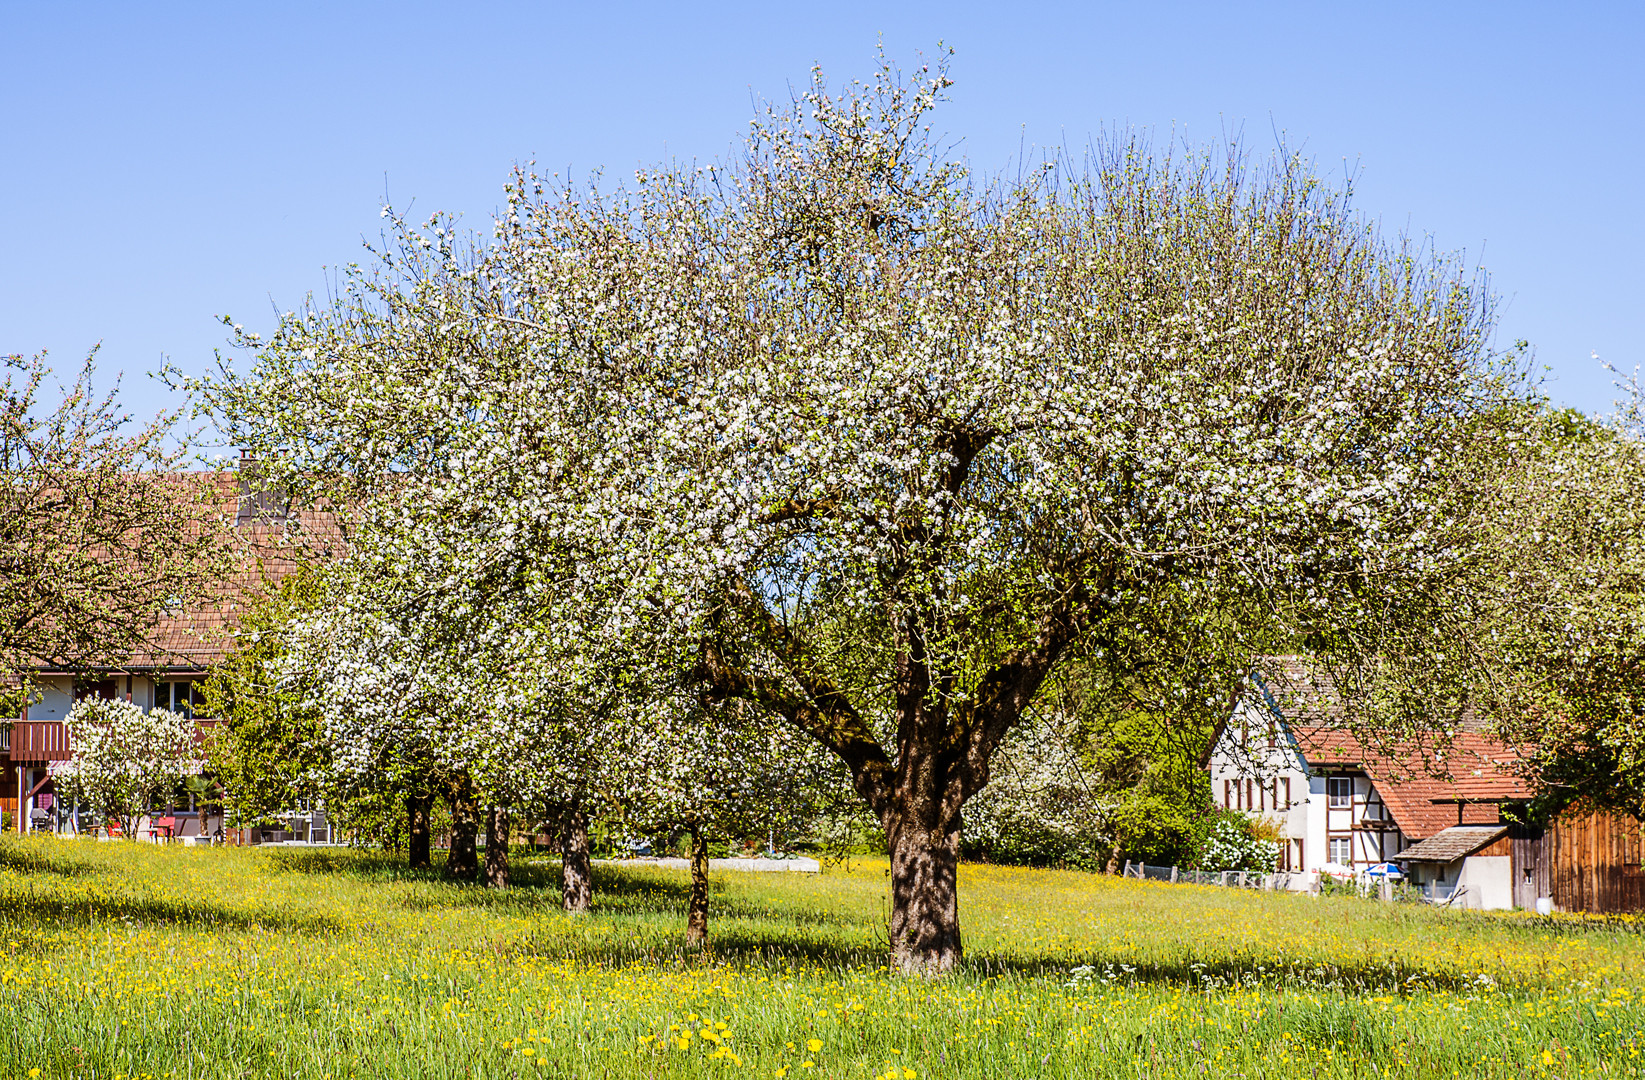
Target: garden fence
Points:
(1289, 881)
(1228, 879)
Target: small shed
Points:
(1468, 865)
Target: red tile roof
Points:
(1428, 783)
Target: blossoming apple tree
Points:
(841, 432)
(715, 771)
(1566, 617)
(419, 687)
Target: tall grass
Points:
(123, 961)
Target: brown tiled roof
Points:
(265, 548)
(1454, 843)
(1440, 781)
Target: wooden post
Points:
(1173, 875)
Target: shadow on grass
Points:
(34, 859)
(345, 862)
(639, 917)
(35, 913)
(642, 889)
(1095, 971)
(534, 889)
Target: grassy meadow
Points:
(126, 961)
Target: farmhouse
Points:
(1449, 812)
(165, 672)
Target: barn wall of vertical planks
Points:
(1593, 863)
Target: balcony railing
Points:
(48, 740)
(39, 741)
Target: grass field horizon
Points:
(124, 961)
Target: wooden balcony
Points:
(37, 742)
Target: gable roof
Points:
(1428, 784)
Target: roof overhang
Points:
(1456, 842)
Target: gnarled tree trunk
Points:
(942, 747)
(463, 861)
(576, 876)
(419, 809)
(497, 847)
(925, 902)
(696, 916)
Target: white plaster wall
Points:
(1256, 760)
(1489, 880)
(1315, 851)
(56, 699)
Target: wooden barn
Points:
(1591, 862)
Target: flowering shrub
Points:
(1230, 845)
(1040, 807)
(125, 759)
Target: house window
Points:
(1285, 782)
(1228, 794)
(1340, 850)
(183, 698)
(103, 689)
(1339, 791)
(1251, 790)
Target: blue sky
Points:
(162, 164)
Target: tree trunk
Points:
(696, 918)
(419, 808)
(925, 903)
(497, 847)
(576, 876)
(463, 861)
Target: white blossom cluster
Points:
(126, 760)
(1041, 798)
(1231, 847)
